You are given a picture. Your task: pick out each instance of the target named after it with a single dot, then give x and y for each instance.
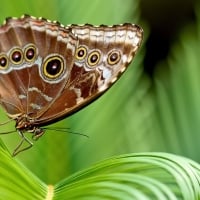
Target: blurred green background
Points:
(153, 107)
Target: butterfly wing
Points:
(48, 71)
(102, 55)
(35, 62)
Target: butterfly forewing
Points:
(102, 54)
(24, 86)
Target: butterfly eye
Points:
(113, 57)
(81, 53)
(30, 53)
(53, 67)
(16, 56)
(93, 58)
(3, 61)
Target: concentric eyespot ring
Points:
(93, 58)
(113, 57)
(3, 61)
(53, 67)
(81, 53)
(16, 56)
(30, 53)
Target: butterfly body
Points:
(48, 71)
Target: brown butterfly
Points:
(48, 71)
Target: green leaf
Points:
(131, 176)
(135, 176)
(16, 181)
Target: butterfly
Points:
(49, 71)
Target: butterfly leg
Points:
(17, 149)
(38, 132)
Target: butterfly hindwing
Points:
(101, 56)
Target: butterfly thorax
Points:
(26, 124)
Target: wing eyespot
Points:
(81, 53)
(113, 57)
(30, 53)
(16, 56)
(3, 61)
(53, 67)
(93, 58)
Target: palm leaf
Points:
(131, 176)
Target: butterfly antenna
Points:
(7, 132)
(6, 122)
(59, 129)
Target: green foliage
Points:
(135, 176)
(16, 181)
(133, 116)
(131, 176)
(177, 96)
